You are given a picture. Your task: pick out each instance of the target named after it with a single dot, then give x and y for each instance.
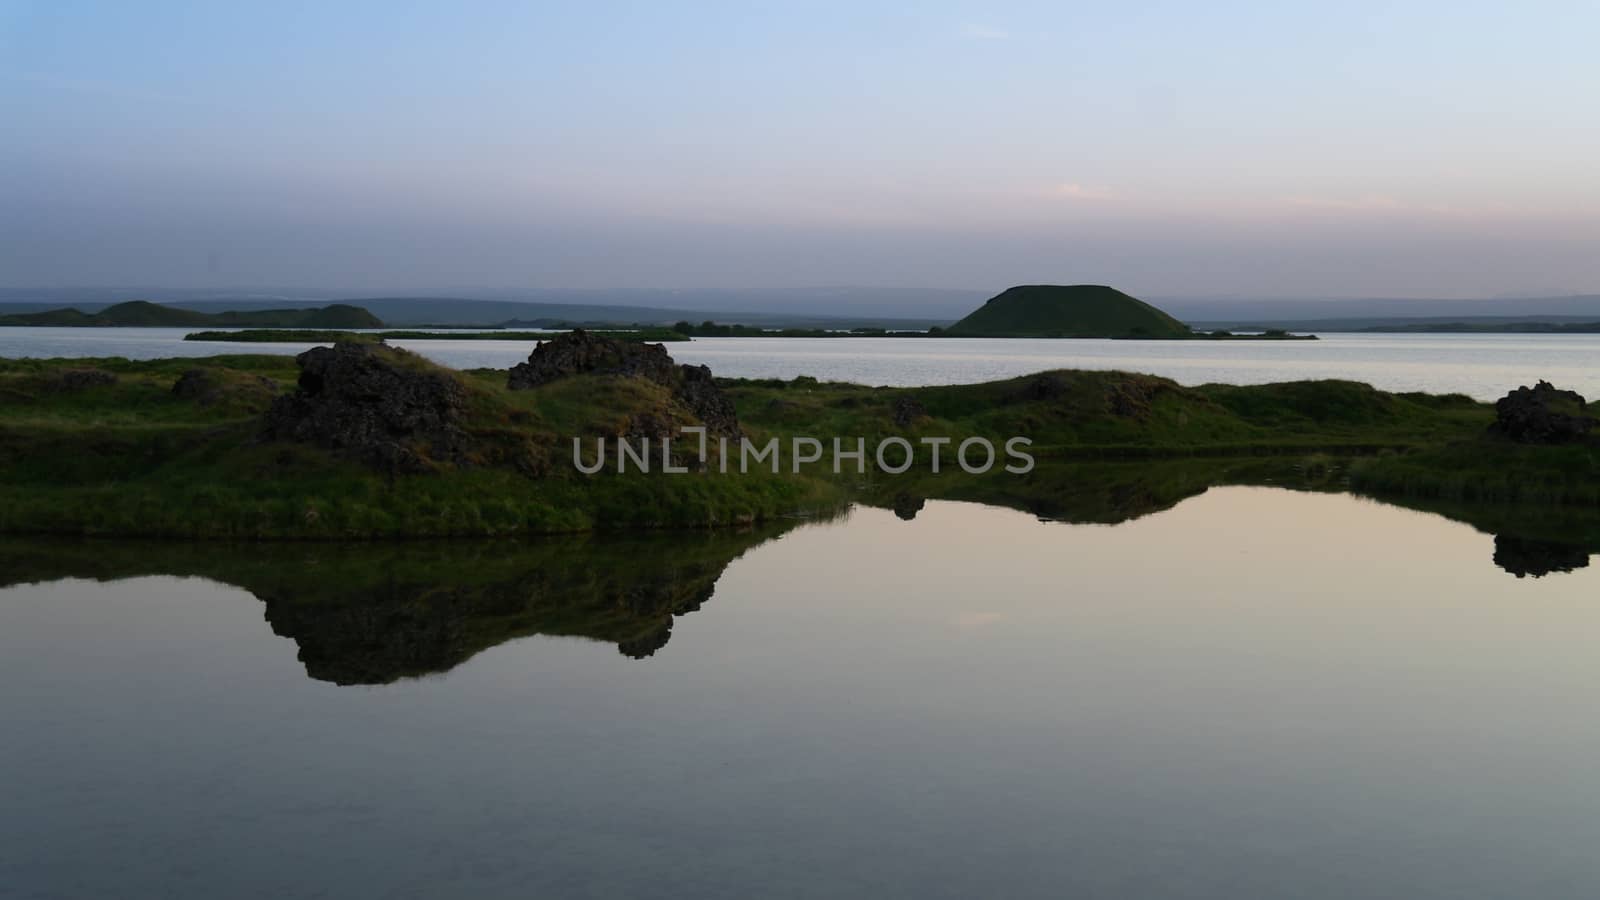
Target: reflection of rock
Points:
(394, 630)
(1542, 414)
(625, 592)
(906, 506)
(374, 613)
(380, 405)
(583, 353)
(1064, 492)
(1530, 557)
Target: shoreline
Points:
(176, 448)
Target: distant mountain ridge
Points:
(143, 313)
(794, 307)
(819, 307)
(1078, 310)
(1360, 312)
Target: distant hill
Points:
(818, 307)
(822, 307)
(1487, 328)
(1079, 310)
(142, 313)
(1346, 314)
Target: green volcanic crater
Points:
(1078, 310)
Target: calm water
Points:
(1484, 366)
(1256, 693)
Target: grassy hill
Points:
(1079, 310)
(142, 313)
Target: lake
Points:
(1484, 366)
(1252, 693)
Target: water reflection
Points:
(375, 613)
(1525, 557)
(1529, 540)
(364, 614)
(1254, 693)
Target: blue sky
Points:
(1259, 149)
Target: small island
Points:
(1083, 311)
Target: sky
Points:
(1402, 149)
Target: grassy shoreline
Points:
(322, 336)
(681, 332)
(105, 447)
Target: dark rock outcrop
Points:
(373, 403)
(1131, 397)
(1542, 414)
(209, 387)
(698, 391)
(907, 410)
(582, 353)
(73, 380)
(200, 385)
(1044, 386)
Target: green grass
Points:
(1084, 414)
(119, 454)
(131, 459)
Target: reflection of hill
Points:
(1087, 493)
(373, 613)
(1530, 539)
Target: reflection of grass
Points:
(1104, 492)
(374, 612)
(1565, 524)
(1487, 471)
(371, 613)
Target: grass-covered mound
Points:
(143, 313)
(1079, 310)
(112, 447)
(1118, 415)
